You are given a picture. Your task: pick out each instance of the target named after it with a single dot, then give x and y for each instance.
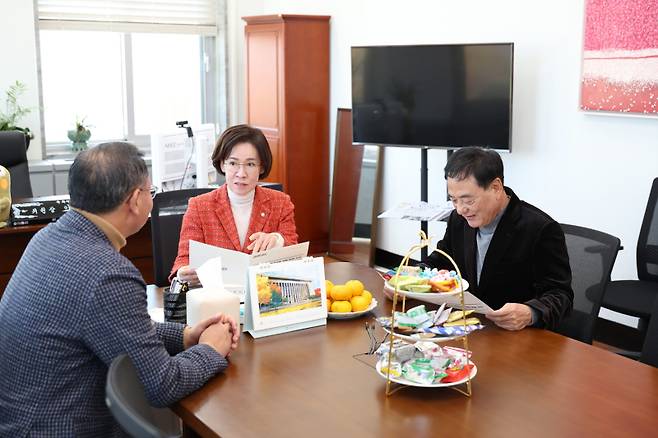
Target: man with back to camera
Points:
(74, 303)
(513, 254)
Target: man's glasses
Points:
(234, 165)
(467, 201)
(153, 191)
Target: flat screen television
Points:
(441, 96)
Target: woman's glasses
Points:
(234, 165)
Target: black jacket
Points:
(527, 261)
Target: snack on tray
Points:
(413, 279)
(419, 323)
(429, 364)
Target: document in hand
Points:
(235, 263)
(471, 302)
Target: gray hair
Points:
(101, 178)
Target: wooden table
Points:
(529, 383)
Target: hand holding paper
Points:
(188, 274)
(263, 241)
(512, 316)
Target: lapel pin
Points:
(262, 214)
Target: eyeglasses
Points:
(153, 191)
(234, 165)
(466, 201)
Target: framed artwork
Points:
(620, 57)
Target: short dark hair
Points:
(484, 164)
(102, 177)
(243, 134)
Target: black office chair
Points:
(636, 297)
(124, 396)
(649, 353)
(13, 156)
(592, 254)
(166, 220)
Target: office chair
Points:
(13, 156)
(649, 353)
(124, 396)
(166, 221)
(592, 254)
(636, 297)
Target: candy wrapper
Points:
(457, 330)
(426, 362)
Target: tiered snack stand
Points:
(425, 242)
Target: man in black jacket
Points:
(513, 254)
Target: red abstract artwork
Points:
(620, 57)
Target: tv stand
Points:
(423, 194)
(423, 191)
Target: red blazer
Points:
(209, 219)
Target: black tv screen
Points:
(444, 96)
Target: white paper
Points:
(419, 211)
(235, 263)
(210, 274)
(471, 302)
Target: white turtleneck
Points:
(241, 206)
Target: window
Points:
(128, 75)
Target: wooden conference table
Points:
(529, 383)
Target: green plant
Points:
(80, 135)
(80, 125)
(14, 112)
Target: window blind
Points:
(188, 16)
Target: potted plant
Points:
(14, 112)
(80, 135)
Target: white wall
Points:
(583, 169)
(19, 62)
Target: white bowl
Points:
(350, 315)
(429, 297)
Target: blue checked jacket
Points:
(72, 305)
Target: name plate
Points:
(39, 210)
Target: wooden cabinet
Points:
(287, 62)
(14, 240)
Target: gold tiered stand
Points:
(425, 242)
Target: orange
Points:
(356, 286)
(367, 295)
(329, 304)
(341, 307)
(340, 292)
(328, 285)
(359, 303)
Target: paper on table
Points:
(471, 302)
(210, 274)
(235, 263)
(419, 211)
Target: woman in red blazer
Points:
(239, 215)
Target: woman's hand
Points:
(263, 241)
(188, 274)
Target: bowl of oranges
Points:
(349, 300)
